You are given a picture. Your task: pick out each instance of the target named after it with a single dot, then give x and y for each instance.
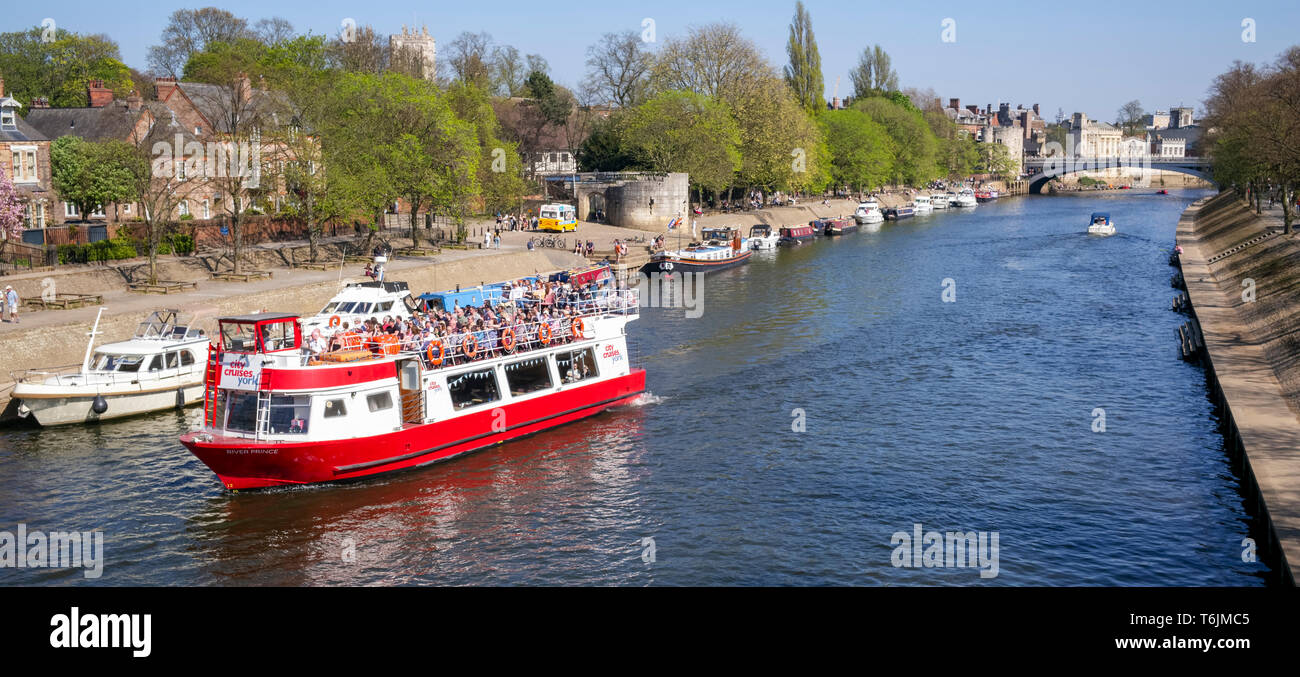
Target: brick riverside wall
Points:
(53, 346)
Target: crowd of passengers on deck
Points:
(527, 315)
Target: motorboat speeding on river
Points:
(1100, 224)
(160, 367)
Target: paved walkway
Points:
(1269, 431)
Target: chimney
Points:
(954, 104)
(1036, 110)
(836, 104)
(165, 87)
(100, 96)
(245, 87)
(988, 109)
(2, 88)
(974, 109)
(134, 102)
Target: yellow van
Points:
(558, 218)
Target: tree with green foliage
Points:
(500, 169)
(862, 155)
(781, 145)
(914, 143)
(89, 174)
(873, 75)
(996, 159)
(60, 70)
(804, 73)
(602, 150)
(684, 132)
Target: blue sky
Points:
(1091, 56)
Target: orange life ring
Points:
(436, 361)
(544, 333)
(335, 321)
(508, 339)
(470, 346)
(578, 328)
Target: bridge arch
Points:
(1045, 169)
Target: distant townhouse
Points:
(25, 157)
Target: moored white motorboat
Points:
(921, 204)
(160, 367)
(763, 237)
(965, 199)
(868, 211)
(358, 302)
(939, 201)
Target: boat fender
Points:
(100, 405)
(335, 321)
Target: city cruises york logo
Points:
(239, 369)
(24, 549)
(950, 550)
(612, 353)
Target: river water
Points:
(827, 399)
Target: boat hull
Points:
(689, 266)
(51, 410)
(245, 464)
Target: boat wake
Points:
(644, 400)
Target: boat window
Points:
(126, 363)
(237, 338)
(576, 365)
(528, 376)
(384, 307)
(241, 411)
(335, 409)
(473, 388)
(278, 336)
(187, 358)
(156, 364)
(380, 401)
(289, 414)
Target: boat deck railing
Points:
(444, 351)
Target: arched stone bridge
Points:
(1042, 170)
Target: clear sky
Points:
(1085, 56)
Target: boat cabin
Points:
(761, 230)
(263, 333)
(1100, 219)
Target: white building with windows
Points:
(1091, 138)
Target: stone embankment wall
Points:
(61, 345)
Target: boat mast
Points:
(94, 331)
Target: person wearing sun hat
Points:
(11, 303)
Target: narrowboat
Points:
(700, 258)
(794, 235)
(839, 227)
(900, 212)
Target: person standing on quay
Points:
(11, 303)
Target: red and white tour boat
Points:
(275, 415)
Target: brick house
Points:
(25, 157)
